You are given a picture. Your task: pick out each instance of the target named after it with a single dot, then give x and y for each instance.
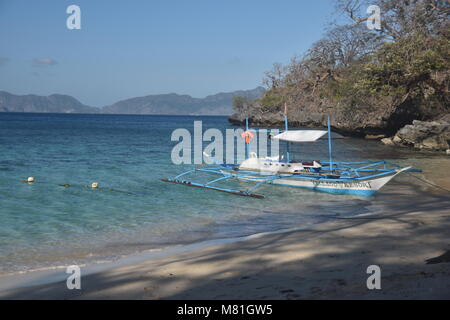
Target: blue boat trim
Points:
(364, 193)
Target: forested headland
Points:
(370, 81)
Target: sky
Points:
(134, 48)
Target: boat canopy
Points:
(300, 135)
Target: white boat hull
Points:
(363, 187)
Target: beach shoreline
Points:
(57, 273)
(325, 261)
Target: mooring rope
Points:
(67, 185)
(427, 182)
(420, 179)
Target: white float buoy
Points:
(30, 179)
(94, 185)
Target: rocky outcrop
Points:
(376, 119)
(259, 120)
(423, 135)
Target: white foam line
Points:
(58, 274)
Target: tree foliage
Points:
(357, 68)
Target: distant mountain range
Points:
(57, 103)
(170, 104)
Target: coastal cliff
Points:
(371, 83)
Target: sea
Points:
(58, 220)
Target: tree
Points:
(241, 105)
(274, 78)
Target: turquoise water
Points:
(44, 224)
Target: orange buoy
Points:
(248, 136)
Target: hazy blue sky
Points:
(134, 48)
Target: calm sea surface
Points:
(45, 224)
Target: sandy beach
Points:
(327, 261)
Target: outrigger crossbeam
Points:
(204, 186)
(224, 176)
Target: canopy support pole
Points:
(247, 151)
(329, 144)
(286, 128)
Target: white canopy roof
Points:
(300, 135)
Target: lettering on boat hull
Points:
(343, 185)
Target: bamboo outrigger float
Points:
(353, 178)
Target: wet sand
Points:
(327, 261)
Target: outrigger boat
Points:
(352, 178)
